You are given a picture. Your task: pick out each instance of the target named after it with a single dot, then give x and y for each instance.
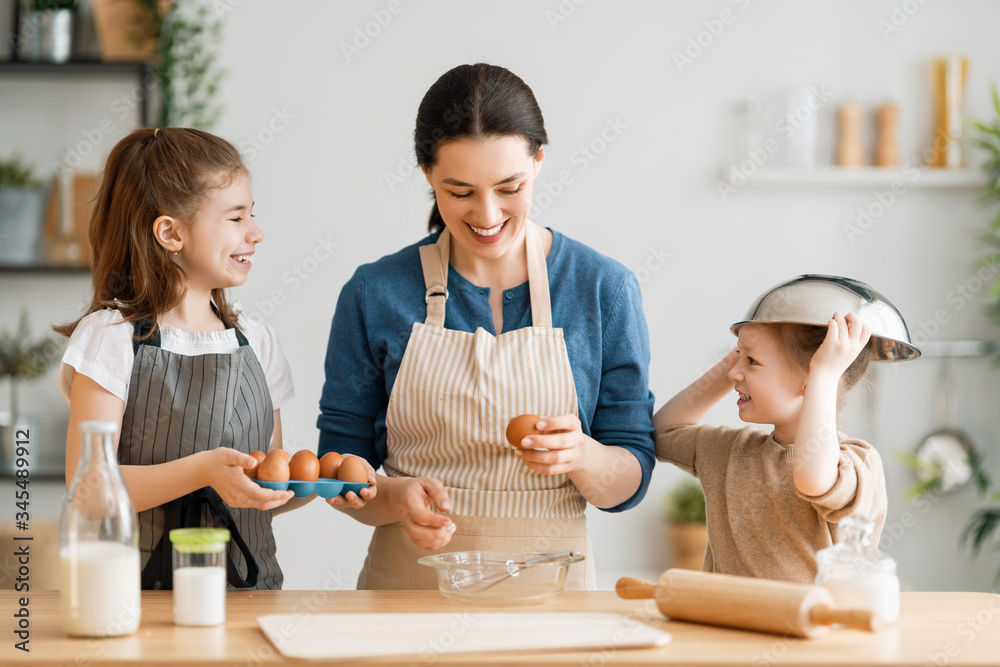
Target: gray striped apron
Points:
(178, 405)
(449, 408)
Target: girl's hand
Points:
(352, 500)
(414, 497)
(560, 449)
(223, 470)
(845, 338)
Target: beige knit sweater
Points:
(759, 525)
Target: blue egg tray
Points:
(324, 488)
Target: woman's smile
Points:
(488, 234)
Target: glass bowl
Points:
(501, 577)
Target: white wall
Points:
(652, 190)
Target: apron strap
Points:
(434, 261)
(538, 277)
(185, 512)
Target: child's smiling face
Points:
(220, 240)
(771, 387)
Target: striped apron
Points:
(449, 408)
(178, 405)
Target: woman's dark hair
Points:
(475, 102)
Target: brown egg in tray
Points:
(306, 474)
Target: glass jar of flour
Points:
(857, 574)
(199, 560)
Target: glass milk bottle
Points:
(857, 574)
(99, 543)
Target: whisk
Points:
(477, 581)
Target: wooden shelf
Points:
(144, 72)
(47, 270)
(865, 177)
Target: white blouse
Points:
(101, 349)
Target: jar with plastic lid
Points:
(857, 574)
(199, 574)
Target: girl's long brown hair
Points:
(151, 173)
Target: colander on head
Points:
(813, 299)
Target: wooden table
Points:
(934, 628)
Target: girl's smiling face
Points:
(483, 191)
(219, 241)
(771, 387)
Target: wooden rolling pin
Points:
(743, 602)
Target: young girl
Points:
(772, 504)
(194, 385)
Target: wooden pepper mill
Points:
(850, 151)
(886, 146)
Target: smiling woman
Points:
(434, 349)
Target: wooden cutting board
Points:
(353, 636)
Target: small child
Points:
(773, 499)
(192, 383)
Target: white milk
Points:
(878, 592)
(100, 589)
(199, 595)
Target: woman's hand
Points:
(352, 500)
(845, 338)
(412, 500)
(223, 469)
(560, 449)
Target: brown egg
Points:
(353, 470)
(329, 464)
(282, 453)
(521, 427)
(251, 471)
(274, 468)
(304, 466)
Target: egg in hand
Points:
(521, 427)
(274, 467)
(353, 470)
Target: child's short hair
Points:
(800, 342)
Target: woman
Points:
(435, 348)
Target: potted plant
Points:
(46, 30)
(983, 528)
(179, 38)
(22, 359)
(22, 201)
(685, 515)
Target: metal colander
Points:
(813, 299)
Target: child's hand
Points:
(845, 338)
(222, 469)
(356, 500)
